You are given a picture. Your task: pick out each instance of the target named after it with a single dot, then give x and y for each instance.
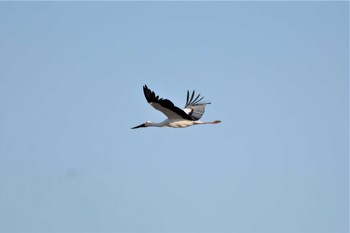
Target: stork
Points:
(176, 117)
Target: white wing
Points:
(194, 108)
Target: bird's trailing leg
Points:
(212, 122)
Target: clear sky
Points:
(71, 82)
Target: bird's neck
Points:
(160, 124)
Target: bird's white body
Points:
(180, 123)
(174, 123)
(176, 117)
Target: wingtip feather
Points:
(188, 95)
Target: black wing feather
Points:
(194, 106)
(151, 97)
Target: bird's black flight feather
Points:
(151, 97)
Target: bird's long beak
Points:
(139, 126)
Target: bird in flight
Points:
(176, 117)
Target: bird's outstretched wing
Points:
(194, 107)
(164, 105)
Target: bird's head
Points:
(147, 123)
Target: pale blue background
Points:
(71, 81)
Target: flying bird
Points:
(176, 117)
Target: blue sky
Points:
(71, 82)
